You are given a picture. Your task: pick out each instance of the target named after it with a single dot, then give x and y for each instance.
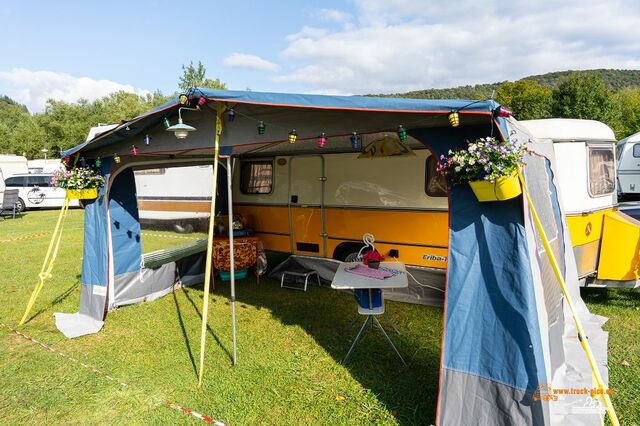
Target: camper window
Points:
(256, 177)
(636, 150)
(435, 184)
(601, 171)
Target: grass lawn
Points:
(289, 347)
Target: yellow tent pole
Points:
(52, 253)
(581, 334)
(208, 267)
(47, 264)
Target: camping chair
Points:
(9, 202)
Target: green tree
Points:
(195, 76)
(527, 99)
(627, 108)
(583, 96)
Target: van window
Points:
(256, 177)
(435, 184)
(15, 181)
(636, 150)
(41, 181)
(601, 171)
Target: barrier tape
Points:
(112, 379)
(149, 234)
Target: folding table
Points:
(371, 288)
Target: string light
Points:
(116, 158)
(322, 140)
(202, 100)
(402, 133)
(82, 162)
(166, 123)
(147, 140)
(502, 112)
(261, 128)
(231, 115)
(293, 136)
(454, 118)
(98, 162)
(133, 150)
(355, 141)
(67, 160)
(183, 99)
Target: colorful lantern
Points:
(322, 140)
(116, 158)
(454, 118)
(98, 162)
(231, 115)
(183, 99)
(502, 112)
(355, 141)
(202, 100)
(166, 123)
(261, 128)
(82, 162)
(133, 150)
(147, 140)
(293, 136)
(402, 133)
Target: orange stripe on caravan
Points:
(175, 206)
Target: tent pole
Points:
(582, 337)
(231, 261)
(208, 267)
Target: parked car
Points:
(35, 190)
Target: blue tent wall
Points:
(93, 288)
(125, 223)
(492, 349)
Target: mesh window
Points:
(256, 177)
(601, 171)
(435, 184)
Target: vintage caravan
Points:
(604, 239)
(321, 205)
(628, 157)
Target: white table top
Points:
(343, 280)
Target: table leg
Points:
(389, 340)
(353, 345)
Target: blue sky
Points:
(70, 49)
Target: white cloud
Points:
(401, 45)
(252, 62)
(34, 88)
(334, 15)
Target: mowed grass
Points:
(290, 345)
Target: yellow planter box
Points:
(503, 188)
(82, 194)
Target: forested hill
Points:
(614, 79)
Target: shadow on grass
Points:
(325, 315)
(59, 299)
(611, 297)
(195, 308)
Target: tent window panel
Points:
(601, 171)
(435, 184)
(636, 150)
(256, 177)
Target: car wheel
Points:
(20, 206)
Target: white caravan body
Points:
(628, 156)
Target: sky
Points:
(71, 49)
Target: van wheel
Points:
(347, 252)
(20, 206)
(183, 228)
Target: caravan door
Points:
(306, 205)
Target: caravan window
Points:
(601, 171)
(256, 177)
(16, 181)
(435, 184)
(636, 150)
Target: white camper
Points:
(44, 165)
(628, 157)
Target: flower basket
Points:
(504, 188)
(82, 194)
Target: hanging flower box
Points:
(488, 165)
(82, 194)
(81, 183)
(504, 188)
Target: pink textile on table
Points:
(365, 271)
